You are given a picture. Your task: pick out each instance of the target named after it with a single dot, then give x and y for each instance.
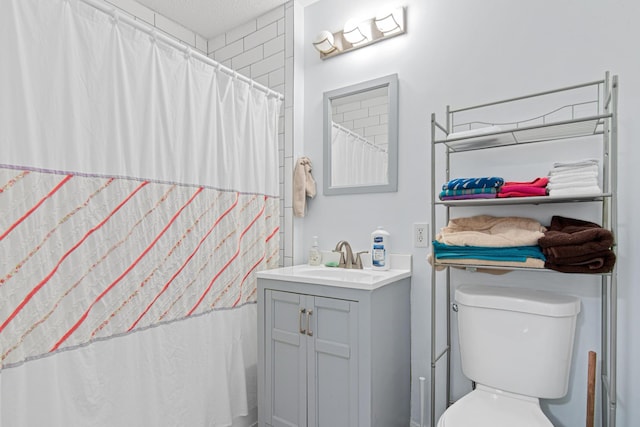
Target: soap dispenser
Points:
(315, 257)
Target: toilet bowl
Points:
(516, 344)
(488, 407)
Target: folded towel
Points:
(490, 231)
(522, 192)
(573, 169)
(462, 194)
(470, 196)
(474, 132)
(571, 177)
(594, 265)
(465, 192)
(576, 163)
(565, 231)
(468, 183)
(528, 263)
(515, 253)
(303, 186)
(538, 182)
(573, 184)
(578, 257)
(577, 246)
(578, 191)
(537, 187)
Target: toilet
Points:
(516, 345)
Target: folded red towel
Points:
(522, 191)
(537, 187)
(538, 182)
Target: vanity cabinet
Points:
(333, 356)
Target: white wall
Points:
(462, 53)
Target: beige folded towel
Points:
(303, 186)
(490, 231)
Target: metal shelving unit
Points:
(543, 128)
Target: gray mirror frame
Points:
(391, 82)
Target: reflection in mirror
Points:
(360, 137)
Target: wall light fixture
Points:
(390, 21)
(356, 34)
(324, 42)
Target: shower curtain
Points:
(356, 160)
(138, 198)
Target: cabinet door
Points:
(285, 359)
(333, 363)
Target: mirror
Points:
(361, 137)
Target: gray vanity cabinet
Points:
(333, 356)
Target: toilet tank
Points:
(517, 340)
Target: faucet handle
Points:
(342, 263)
(358, 263)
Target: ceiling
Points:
(210, 18)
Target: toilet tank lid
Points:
(518, 299)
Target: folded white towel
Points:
(474, 132)
(574, 184)
(578, 191)
(576, 169)
(573, 177)
(584, 162)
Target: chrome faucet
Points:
(346, 256)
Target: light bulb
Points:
(390, 21)
(353, 32)
(324, 42)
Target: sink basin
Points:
(357, 275)
(334, 276)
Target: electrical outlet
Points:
(421, 235)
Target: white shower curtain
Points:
(356, 160)
(138, 197)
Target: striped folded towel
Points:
(469, 183)
(468, 192)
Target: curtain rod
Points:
(171, 41)
(358, 137)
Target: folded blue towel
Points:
(468, 183)
(516, 253)
(468, 192)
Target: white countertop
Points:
(366, 278)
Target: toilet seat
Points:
(489, 407)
